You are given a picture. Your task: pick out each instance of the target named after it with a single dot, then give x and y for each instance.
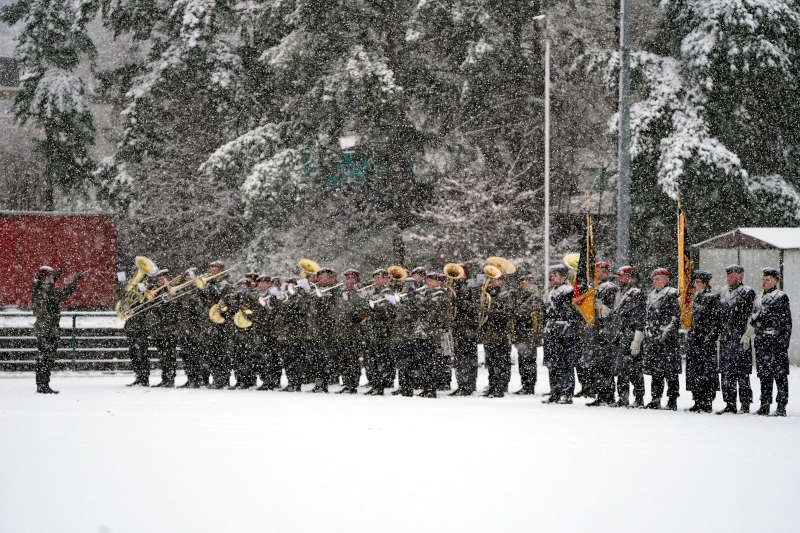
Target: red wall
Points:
(85, 243)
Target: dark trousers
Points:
(294, 362)
(321, 357)
(350, 352)
(167, 348)
(560, 352)
(526, 359)
(657, 385)
(405, 359)
(244, 360)
(268, 363)
(498, 361)
(47, 347)
(192, 356)
(218, 356)
(782, 382)
(381, 364)
(427, 360)
(732, 380)
(465, 360)
(140, 360)
(630, 373)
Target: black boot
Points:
(638, 402)
(599, 402)
(524, 391)
(763, 410)
(139, 382)
(165, 383)
(695, 408)
(729, 408)
(745, 408)
(622, 402)
(654, 404)
(456, 392)
(553, 398)
(780, 410)
(672, 404)
(45, 389)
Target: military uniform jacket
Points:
(662, 321)
(350, 315)
(408, 318)
(772, 320)
(435, 313)
(289, 319)
(466, 303)
(46, 303)
(736, 307)
(498, 328)
(528, 318)
(263, 317)
(703, 335)
(601, 335)
(216, 289)
(378, 326)
(323, 321)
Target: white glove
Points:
(636, 345)
(747, 337)
(602, 309)
(303, 283)
(141, 286)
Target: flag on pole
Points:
(586, 279)
(684, 269)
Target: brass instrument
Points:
(364, 288)
(241, 320)
(492, 272)
(454, 272)
(506, 266)
(571, 260)
(151, 295)
(132, 296)
(308, 267)
(215, 312)
(319, 292)
(397, 273)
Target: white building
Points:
(754, 249)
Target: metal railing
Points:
(71, 318)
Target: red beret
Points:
(263, 277)
(659, 272)
(419, 271)
(380, 272)
(625, 270)
(217, 264)
(602, 264)
(352, 272)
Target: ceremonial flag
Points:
(586, 279)
(684, 270)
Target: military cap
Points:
(163, 272)
(352, 272)
(734, 269)
(409, 279)
(217, 264)
(275, 280)
(291, 281)
(626, 270)
(419, 271)
(659, 272)
(380, 272)
(438, 276)
(241, 281)
(603, 265)
(190, 273)
(528, 278)
(44, 270)
(252, 275)
(559, 268)
(771, 272)
(263, 277)
(326, 270)
(702, 275)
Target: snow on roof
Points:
(781, 238)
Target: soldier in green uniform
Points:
(406, 318)
(527, 332)
(495, 334)
(465, 339)
(217, 351)
(290, 330)
(189, 310)
(351, 311)
(378, 327)
(435, 318)
(268, 360)
(242, 347)
(163, 326)
(46, 306)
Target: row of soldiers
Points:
(322, 332)
(416, 326)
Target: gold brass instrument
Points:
(215, 312)
(454, 272)
(359, 291)
(202, 280)
(132, 296)
(308, 267)
(241, 320)
(151, 295)
(506, 266)
(397, 273)
(492, 272)
(320, 292)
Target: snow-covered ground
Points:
(100, 457)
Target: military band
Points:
(422, 327)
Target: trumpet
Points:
(319, 292)
(151, 295)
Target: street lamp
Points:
(541, 23)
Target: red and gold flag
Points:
(684, 270)
(586, 279)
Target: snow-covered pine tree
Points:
(716, 120)
(50, 48)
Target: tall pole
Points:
(546, 158)
(624, 154)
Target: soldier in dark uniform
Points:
(628, 322)
(323, 323)
(46, 303)
(290, 323)
(772, 321)
(138, 343)
(527, 332)
(561, 321)
(352, 308)
(735, 341)
(217, 355)
(662, 359)
(600, 340)
(268, 360)
(189, 310)
(163, 327)
(407, 319)
(495, 334)
(378, 327)
(244, 301)
(701, 357)
(465, 338)
(434, 314)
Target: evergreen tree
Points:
(52, 44)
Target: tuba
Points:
(397, 273)
(454, 272)
(133, 297)
(241, 320)
(491, 272)
(308, 267)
